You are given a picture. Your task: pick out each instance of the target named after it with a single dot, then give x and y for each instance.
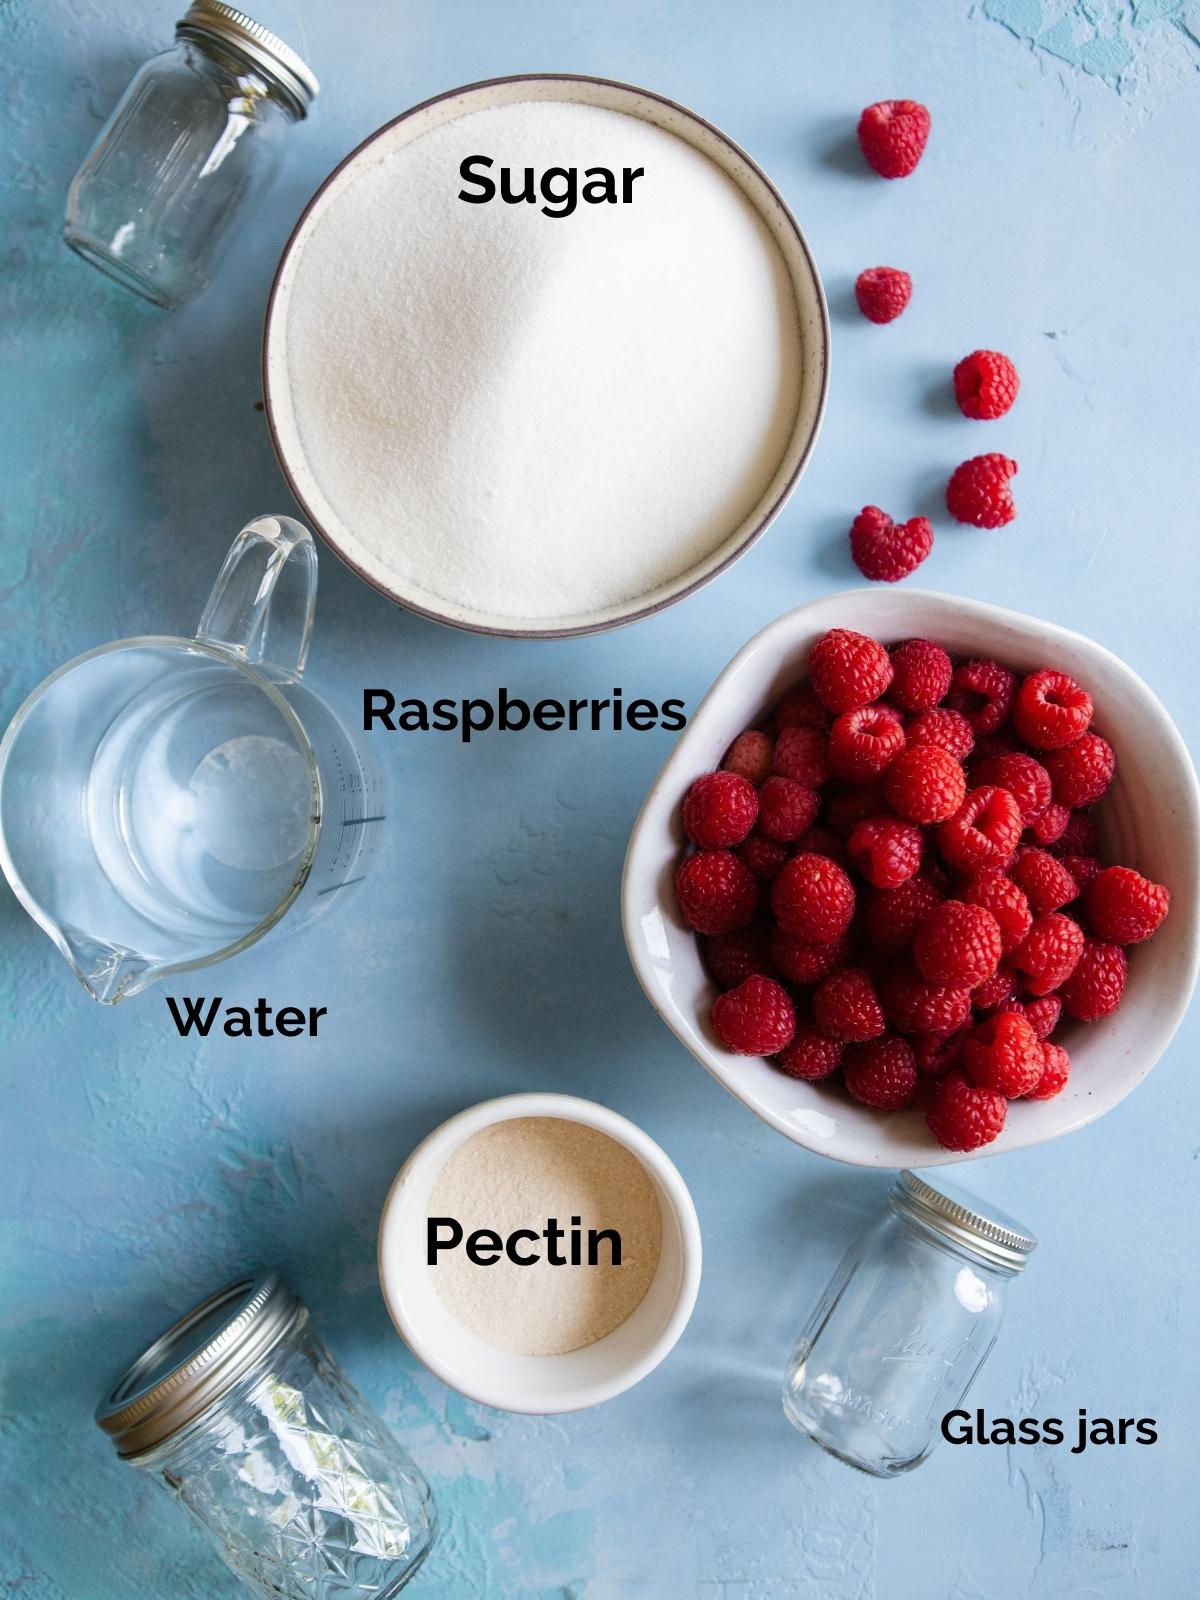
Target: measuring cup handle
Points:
(263, 601)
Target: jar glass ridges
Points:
(903, 1327)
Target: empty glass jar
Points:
(196, 133)
(905, 1324)
(242, 1414)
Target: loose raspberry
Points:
(716, 892)
(882, 293)
(1079, 837)
(881, 1073)
(979, 492)
(913, 1005)
(822, 841)
(991, 746)
(844, 811)
(1047, 884)
(921, 674)
(925, 784)
(886, 851)
(985, 385)
(803, 754)
(1025, 779)
(963, 1117)
(983, 832)
(848, 670)
(732, 957)
(813, 899)
(1048, 953)
(1051, 710)
(1004, 899)
(786, 809)
(804, 960)
(893, 916)
(994, 993)
(719, 810)
(1003, 1054)
(1050, 825)
(1056, 1069)
(893, 135)
(1097, 982)
(957, 944)
(846, 1007)
(886, 551)
(948, 730)
(983, 691)
(800, 708)
(765, 857)
(1084, 869)
(1083, 771)
(751, 756)
(755, 1019)
(864, 742)
(938, 1053)
(812, 1055)
(1125, 908)
(1041, 1014)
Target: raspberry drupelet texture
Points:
(1050, 825)
(803, 754)
(1056, 1069)
(732, 957)
(948, 730)
(882, 293)
(1096, 982)
(800, 708)
(751, 756)
(786, 809)
(979, 492)
(1025, 779)
(807, 960)
(1003, 1054)
(994, 993)
(913, 1005)
(1044, 880)
(925, 784)
(1004, 899)
(985, 385)
(1042, 1014)
(755, 1019)
(891, 917)
(1084, 869)
(1051, 710)
(983, 691)
(812, 1055)
(881, 1072)
(963, 1117)
(765, 857)
(1081, 773)
(983, 832)
(1048, 953)
(813, 899)
(862, 743)
(886, 850)
(848, 670)
(719, 810)
(958, 944)
(1126, 908)
(921, 674)
(846, 1007)
(892, 135)
(886, 551)
(716, 892)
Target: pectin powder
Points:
(531, 416)
(520, 1174)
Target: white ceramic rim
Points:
(431, 1155)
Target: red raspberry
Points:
(812, 1055)
(994, 993)
(822, 841)
(963, 1117)
(800, 708)
(1050, 825)
(786, 809)
(755, 1019)
(1048, 953)
(1051, 710)
(1083, 771)
(921, 674)
(983, 691)
(979, 492)
(990, 746)
(1079, 837)
(804, 961)
(864, 742)
(886, 551)
(813, 899)
(1125, 908)
(803, 754)
(719, 810)
(1046, 883)
(881, 1073)
(765, 857)
(1084, 869)
(983, 832)
(844, 811)
(957, 944)
(886, 851)
(716, 892)
(882, 293)
(938, 1053)
(925, 785)
(751, 756)
(985, 385)
(912, 1005)
(1004, 899)
(731, 957)
(848, 670)
(1097, 982)
(948, 730)
(1041, 1014)
(1003, 1054)
(846, 1007)
(1025, 779)
(893, 915)
(893, 134)
(1056, 1069)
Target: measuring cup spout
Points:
(106, 971)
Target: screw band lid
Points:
(266, 50)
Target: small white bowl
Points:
(1149, 820)
(536, 1385)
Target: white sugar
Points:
(539, 417)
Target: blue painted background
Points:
(1054, 216)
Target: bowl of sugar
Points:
(539, 1253)
(544, 355)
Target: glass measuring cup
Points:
(165, 802)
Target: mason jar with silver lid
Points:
(242, 1414)
(904, 1326)
(195, 135)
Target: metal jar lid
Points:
(958, 1217)
(197, 1361)
(209, 19)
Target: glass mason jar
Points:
(195, 134)
(244, 1416)
(904, 1325)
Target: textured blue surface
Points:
(1054, 216)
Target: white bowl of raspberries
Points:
(919, 881)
